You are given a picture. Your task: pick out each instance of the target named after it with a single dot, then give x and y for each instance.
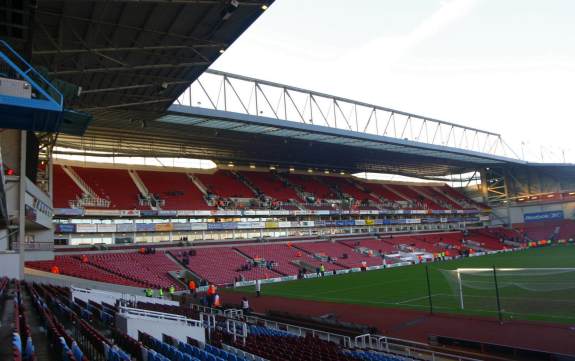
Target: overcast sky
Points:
(502, 65)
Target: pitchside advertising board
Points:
(543, 216)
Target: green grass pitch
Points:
(406, 287)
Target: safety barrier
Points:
(160, 316)
(412, 349)
(346, 341)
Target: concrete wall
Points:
(109, 297)
(10, 265)
(156, 327)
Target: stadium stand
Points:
(65, 189)
(73, 266)
(149, 269)
(221, 265)
(224, 184)
(284, 347)
(128, 269)
(382, 191)
(439, 198)
(371, 356)
(340, 254)
(176, 189)
(271, 186)
(116, 185)
(310, 184)
(349, 187)
(413, 195)
(376, 245)
(282, 255)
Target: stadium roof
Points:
(246, 139)
(126, 54)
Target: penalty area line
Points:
(417, 299)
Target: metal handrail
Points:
(49, 90)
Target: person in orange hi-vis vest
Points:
(55, 269)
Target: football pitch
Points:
(541, 295)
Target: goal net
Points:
(539, 292)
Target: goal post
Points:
(514, 291)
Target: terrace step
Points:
(42, 349)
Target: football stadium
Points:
(154, 208)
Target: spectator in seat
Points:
(84, 258)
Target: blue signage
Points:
(66, 228)
(542, 216)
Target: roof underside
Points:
(126, 54)
(244, 139)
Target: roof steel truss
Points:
(235, 93)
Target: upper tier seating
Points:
(176, 189)
(115, 185)
(268, 184)
(65, 189)
(225, 184)
(181, 193)
(344, 186)
(454, 193)
(414, 196)
(382, 191)
(436, 195)
(310, 184)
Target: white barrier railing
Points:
(412, 349)
(367, 342)
(110, 297)
(301, 331)
(237, 329)
(159, 316)
(206, 309)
